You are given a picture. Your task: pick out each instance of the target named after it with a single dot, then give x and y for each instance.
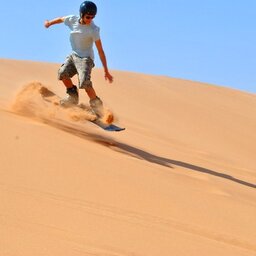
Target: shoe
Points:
(97, 106)
(71, 99)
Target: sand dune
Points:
(180, 180)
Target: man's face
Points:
(87, 19)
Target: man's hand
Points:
(109, 77)
(47, 24)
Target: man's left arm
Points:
(103, 59)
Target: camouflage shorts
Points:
(77, 65)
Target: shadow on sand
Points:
(141, 154)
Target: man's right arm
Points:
(49, 23)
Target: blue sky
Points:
(212, 41)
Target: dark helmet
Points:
(87, 7)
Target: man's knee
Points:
(85, 84)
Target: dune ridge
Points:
(180, 180)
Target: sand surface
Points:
(180, 180)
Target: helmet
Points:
(87, 7)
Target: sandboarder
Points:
(81, 61)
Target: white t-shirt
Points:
(82, 37)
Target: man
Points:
(81, 61)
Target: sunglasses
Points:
(89, 17)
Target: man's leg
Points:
(84, 68)
(66, 71)
(91, 93)
(67, 82)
